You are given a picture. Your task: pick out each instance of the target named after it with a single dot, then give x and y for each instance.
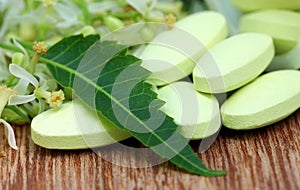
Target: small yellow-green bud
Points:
(28, 31)
(113, 23)
(18, 58)
(147, 34)
(88, 30)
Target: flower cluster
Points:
(26, 86)
(26, 90)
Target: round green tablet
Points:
(233, 63)
(197, 114)
(282, 25)
(253, 5)
(266, 100)
(74, 126)
(172, 54)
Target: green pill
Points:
(266, 100)
(253, 5)
(74, 126)
(172, 54)
(233, 63)
(197, 114)
(282, 25)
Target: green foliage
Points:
(109, 80)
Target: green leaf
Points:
(109, 80)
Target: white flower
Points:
(143, 7)
(64, 14)
(26, 56)
(54, 99)
(10, 135)
(5, 94)
(103, 6)
(25, 79)
(68, 14)
(147, 9)
(10, 16)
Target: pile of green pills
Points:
(257, 69)
(238, 66)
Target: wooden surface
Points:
(267, 158)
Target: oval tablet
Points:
(233, 63)
(74, 126)
(253, 5)
(266, 100)
(172, 54)
(282, 25)
(196, 114)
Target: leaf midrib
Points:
(55, 64)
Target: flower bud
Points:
(28, 31)
(113, 23)
(147, 34)
(18, 58)
(88, 30)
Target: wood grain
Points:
(267, 158)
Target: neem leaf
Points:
(109, 80)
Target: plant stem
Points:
(86, 14)
(10, 47)
(28, 5)
(26, 45)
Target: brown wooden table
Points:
(267, 158)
